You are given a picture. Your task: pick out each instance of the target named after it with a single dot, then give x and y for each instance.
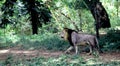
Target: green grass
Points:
(110, 41)
(63, 60)
(40, 41)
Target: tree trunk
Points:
(34, 16)
(100, 15)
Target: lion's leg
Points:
(91, 50)
(70, 48)
(76, 49)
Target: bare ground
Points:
(27, 54)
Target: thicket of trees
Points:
(41, 11)
(43, 16)
(35, 24)
(17, 8)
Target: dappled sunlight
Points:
(21, 51)
(4, 51)
(113, 56)
(117, 27)
(17, 51)
(28, 53)
(29, 32)
(59, 56)
(93, 61)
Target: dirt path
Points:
(27, 53)
(107, 56)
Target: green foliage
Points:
(19, 34)
(64, 15)
(13, 11)
(40, 41)
(111, 41)
(63, 60)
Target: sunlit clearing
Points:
(4, 51)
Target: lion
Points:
(75, 39)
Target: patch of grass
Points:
(49, 41)
(111, 41)
(63, 60)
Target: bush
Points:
(111, 41)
